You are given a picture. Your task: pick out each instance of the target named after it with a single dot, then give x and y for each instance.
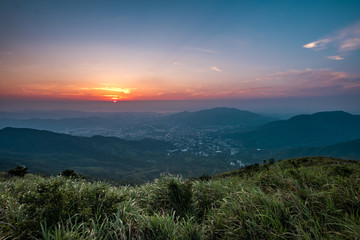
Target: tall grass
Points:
(315, 198)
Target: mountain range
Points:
(216, 117)
(335, 134)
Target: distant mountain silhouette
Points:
(218, 117)
(344, 150)
(319, 129)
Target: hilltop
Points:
(221, 116)
(304, 198)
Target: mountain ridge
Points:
(48, 152)
(319, 129)
(344, 150)
(221, 116)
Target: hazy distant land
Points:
(188, 143)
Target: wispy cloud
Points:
(114, 89)
(335, 57)
(344, 41)
(320, 44)
(291, 83)
(310, 82)
(204, 50)
(113, 93)
(350, 44)
(214, 68)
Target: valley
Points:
(136, 147)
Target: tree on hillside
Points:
(69, 173)
(19, 171)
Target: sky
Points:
(118, 51)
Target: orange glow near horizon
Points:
(118, 51)
(180, 87)
(111, 93)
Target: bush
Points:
(19, 171)
(342, 170)
(180, 196)
(69, 173)
(204, 177)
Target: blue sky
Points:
(178, 50)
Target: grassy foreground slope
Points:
(305, 198)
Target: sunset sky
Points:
(178, 50)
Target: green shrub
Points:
(204, 178)
(180, 197)
(168, 194)
(69, 173)
(342, 170)
(18, 171)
